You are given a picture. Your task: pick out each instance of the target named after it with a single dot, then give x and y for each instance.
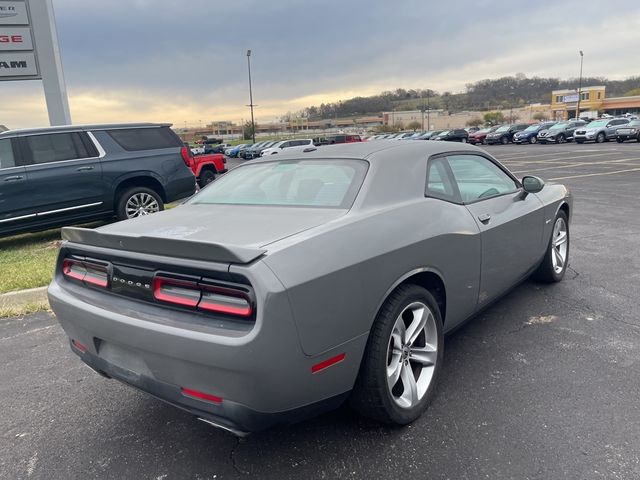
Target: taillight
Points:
(184, 151)
(203, 296)
(178, 292)
(225, 300)
(87, 272)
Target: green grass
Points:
(7, 312)
(27, 261)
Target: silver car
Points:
(288, 286)
(599, 131)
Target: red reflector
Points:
(327, 363)
(79, 346)
(201, 395)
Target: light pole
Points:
(579, 86)
(428, 112)
(253, 124)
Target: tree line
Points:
(498, 93)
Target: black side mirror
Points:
(532, 184)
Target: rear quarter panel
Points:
(338, 279)
(164, 165)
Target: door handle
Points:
(13, 179)
(484, 218)
(84, 169)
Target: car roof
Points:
(368, 150)
(75, 128)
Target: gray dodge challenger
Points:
(288, 286)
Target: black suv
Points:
(504, 134)
(55, 176)
(456, 135)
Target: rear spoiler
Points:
(170, 247)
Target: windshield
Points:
(598, 123)
(633, 123)
(532, 128)
(443, 133)
(484, 130)
(504, 128)
(301, 183)
(559, 126)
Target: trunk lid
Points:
(220, 233)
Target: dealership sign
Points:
(18, 58)
(571, 98)
(13, 13)
(18, 64)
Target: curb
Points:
(23, 297)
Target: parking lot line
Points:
(596, 174)
(574, 164)
(559, 154)
(556, 160)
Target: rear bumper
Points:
(228, 415)
(260, 372)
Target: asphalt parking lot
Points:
(543, 385)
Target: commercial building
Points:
(593, 103)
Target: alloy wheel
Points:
(412, 354)
(559, 245)
(141, 204)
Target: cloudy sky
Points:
(185, 61)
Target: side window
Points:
(55, 147)
(6, 154)
(134, 139)
(478, 178)
(439, 182)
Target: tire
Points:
(638, 139)
(600, 138)
(549, 270)
(463, 140)
(619, 140)
(206, 177)
(560, 138)
(504, 140)
(533, 140)
(372, 396)
(580, 141)
(141, 196)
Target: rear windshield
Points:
(145, 138)
(301, 183)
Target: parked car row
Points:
(600, 130)
(249, 151)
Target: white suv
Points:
(299, 144)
